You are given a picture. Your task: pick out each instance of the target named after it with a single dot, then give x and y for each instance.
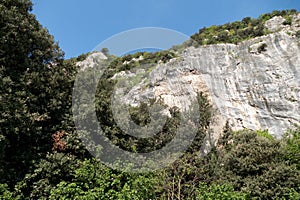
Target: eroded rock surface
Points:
(251, 87)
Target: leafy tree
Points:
(253, 162)
(95, 181)
(48, 172)
(220, 192)
(35, 89)
(41, 156)
(105, 51)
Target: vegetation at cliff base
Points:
(42, 156)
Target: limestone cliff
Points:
(254, 84)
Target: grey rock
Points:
(93, 59)
(248, 88)
(275, 24)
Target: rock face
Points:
(253, 90)
(254, 85)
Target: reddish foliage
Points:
(58, 143)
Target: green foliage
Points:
(293, 194)
(131, 62)
(5, 194)
(256, 164)
(264, 133)
(41, 156)
(219, 192)
(95, 181)
(288, 21)
(35, 89)
(292, 146)
(47, 174)
(182, 178)
(262, 48)
(105, 51)
(298, 34)
(82, 57)
(238, 31)
(283, 13)
(206, 116)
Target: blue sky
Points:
(79, 26)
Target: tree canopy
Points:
(42, 157)
(35, 88)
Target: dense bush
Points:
(262, 48)
(5, 193)
(237, 31)
(42, 157)
(255, 163)
(219, 192)
(35, 88)
(95, 181)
